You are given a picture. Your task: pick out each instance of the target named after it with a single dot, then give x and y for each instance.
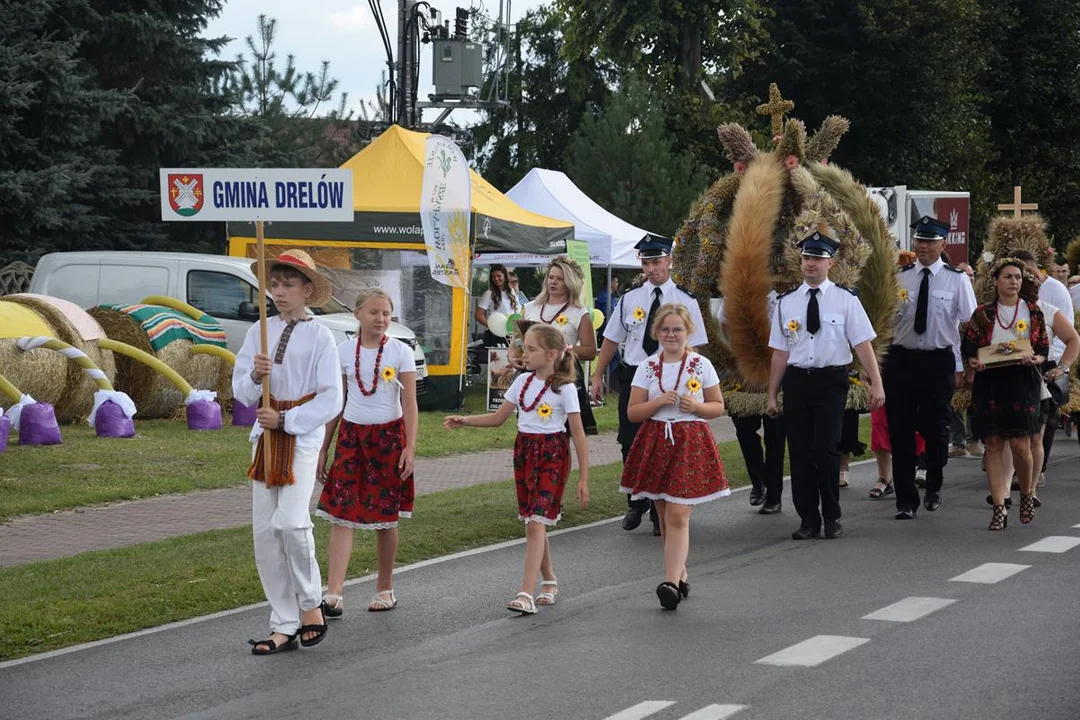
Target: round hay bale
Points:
(77, 328)
(154, 396)
(39, 373)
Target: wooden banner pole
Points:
(260, 253)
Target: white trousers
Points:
(285, 546)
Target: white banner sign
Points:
(445, 211)
(284, 194)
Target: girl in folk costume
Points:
(305, 394)
(370, 484)
(499, 298)
(559, 305)
(674, 461)
(1006, 401)
(545, 399)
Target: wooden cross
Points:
(1017, 207)
(777, 107)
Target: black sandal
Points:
(684, 589)
(669, 595)
(1000, 518)
(990, 501)
(1027, 508)
(273, 647)
(320, 631)
(876, 493)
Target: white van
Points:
(219, 285)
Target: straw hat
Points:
(301, 261)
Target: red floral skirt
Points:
(541, 468)
(688, 471)
(879, 433)
(365, 489)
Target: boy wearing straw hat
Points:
(305, 393)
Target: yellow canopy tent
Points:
(384, 245)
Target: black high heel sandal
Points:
(1027, 508)
(272, 647)
(669, 595)
(319, 630)
(684, 589)
(1000, 519)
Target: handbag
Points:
(1058, 389)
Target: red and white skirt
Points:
(677, 462)
(365, 489)
(541, 469)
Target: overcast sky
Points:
(343, 32)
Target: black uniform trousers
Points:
(766, 469)
(814, 401)
(919, 386)
(1051, 421)
(624, 374)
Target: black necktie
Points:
(924, 301)
(813, 317)
(649, 344)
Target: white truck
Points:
(900, 207)
(219, 285)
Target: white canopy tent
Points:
(552, 194)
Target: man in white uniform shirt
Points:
(813, 330)
(630, 326)
(923, 368)
(1053, 292)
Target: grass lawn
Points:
(57, 603)
(165, 457)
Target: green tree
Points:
(302, 124)
(625, 160)
(546, 93)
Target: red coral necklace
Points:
(375, 375)
(660, 372)
(1016, 312)
(536, 401)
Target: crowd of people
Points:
(1013, 352)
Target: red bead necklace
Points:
(559, 312)
(1016, 312)
(375, 375)
(536, 401)
(660, 372)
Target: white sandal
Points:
(548, 597)
(525, 607)
(380, 603)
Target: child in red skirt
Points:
(545, 399)
(882, 449)
(673, 460)
(370, 484)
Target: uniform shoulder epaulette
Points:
(907, 267)
(851, 290)
(954, 269)
(784, 295)
(680, 287)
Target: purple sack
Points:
(204, 415)
(5, 430)
(111, 422)
(37, 425)
(243, 415)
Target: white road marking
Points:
(813, 652)
(642, 710)
(1076, 526)
(909, 609)
(1053, 544)
(715, 712)
(989, 573)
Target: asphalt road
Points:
(773, 629)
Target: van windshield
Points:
(330, 308)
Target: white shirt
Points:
(1074, 293)
(1056, 294)
(844, 324)
(698, 369)
(505, 306)
(551, 316)
(385, 405)
(951, 302)
(633, 311)
(1005, 313)
(560, 403)
(310, 366)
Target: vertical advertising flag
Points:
(445, 209)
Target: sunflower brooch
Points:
(693, 384)
(1021, 328)
(561, 320)
(544, 411)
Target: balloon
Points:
(511, 323)
(497, 324)
(597, 317)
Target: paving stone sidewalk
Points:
(63, 534)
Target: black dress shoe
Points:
(806, 533)
(632, 518)
(769, 509)
(932, 501)
(757, 496)
(669, 595)
(656, 529)
(906, 514)
(1008, 501)
(833, 529)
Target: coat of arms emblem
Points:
(186, 193)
